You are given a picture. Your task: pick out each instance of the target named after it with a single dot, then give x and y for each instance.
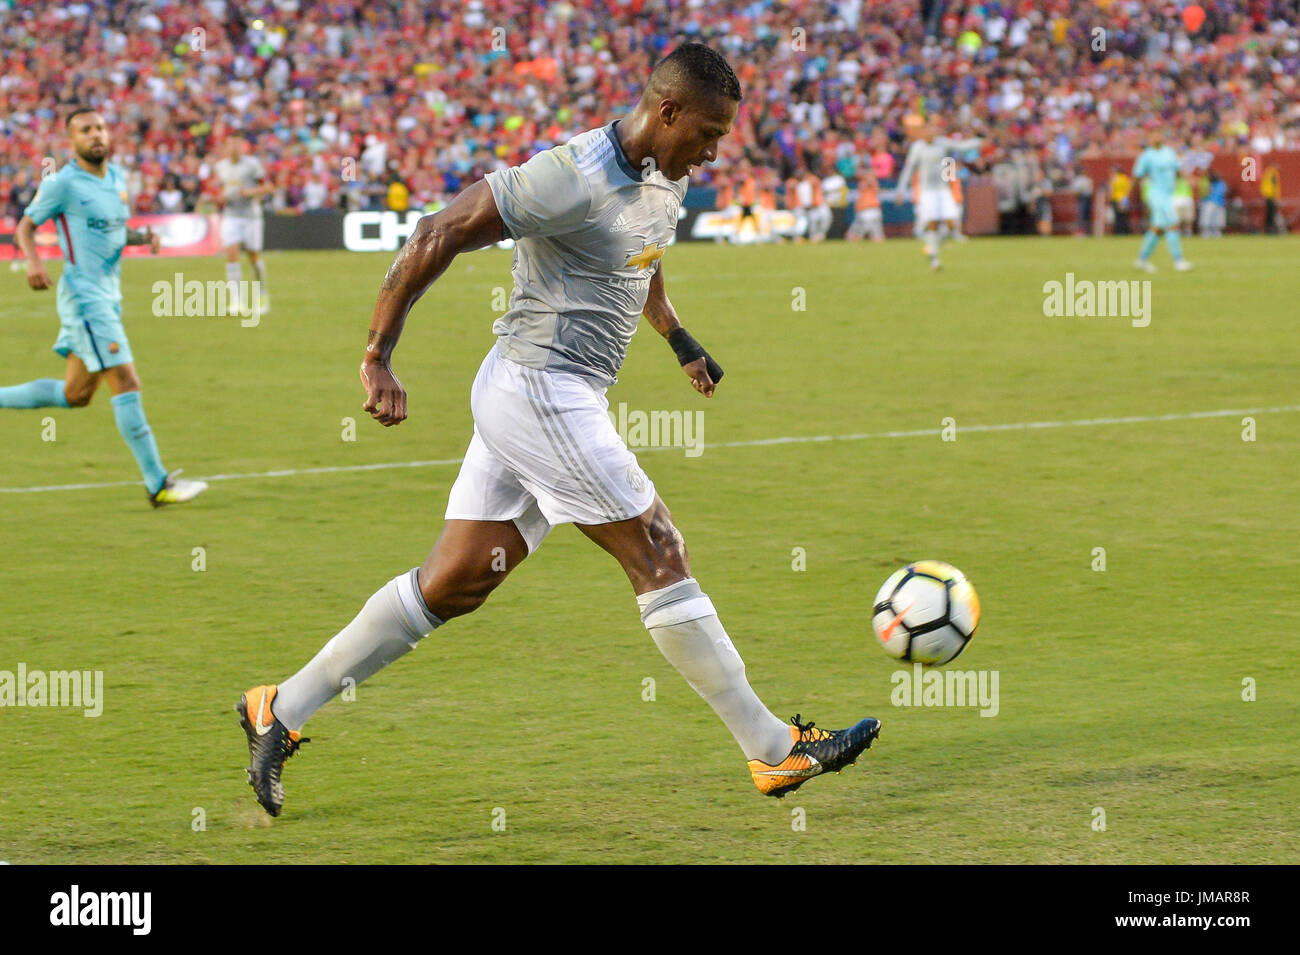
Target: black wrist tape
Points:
(688, 349)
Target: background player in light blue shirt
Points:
(1158, 168)
(88, 202)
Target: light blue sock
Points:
(1148, 244)
(128, 409)
(41, 393)
(1175, 243)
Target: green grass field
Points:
(1120, 690)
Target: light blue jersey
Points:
(1158, 168)
(90, 215)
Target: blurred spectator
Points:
(1214, 208)
(398, 197)
(867, 218)
(315, 194)
(1270, 188)
(170, 197)
(1184, 204)
(1083, 187)
(1121, 190)
(331, 85)
(1041, 196)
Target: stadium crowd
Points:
(401, 103)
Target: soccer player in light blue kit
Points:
(87, 201)
(1158, 165)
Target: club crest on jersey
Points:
(650, 253)
(635, 478)
(671, 206)
(113, 348)
(122, 195)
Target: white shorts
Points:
(819, 221)
(242, 230)
(937, 205)
(865, 220)
(544, 452)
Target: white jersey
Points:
(246, 172)
(589, 231)
(927, 158)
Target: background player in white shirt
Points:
(807, 195)
(243, 184)
(930, 155)
(591, 220)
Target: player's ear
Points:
(669, 111)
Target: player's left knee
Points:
(459, 595)
(661, 530)
(126, 381)
(78, 397)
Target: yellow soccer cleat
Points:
(175, 490)
(814, 752)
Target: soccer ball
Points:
(926, 613)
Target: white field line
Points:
(762, 442)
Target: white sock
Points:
(686, 628)
(232, 285)
(388, 626)
(932, 243)
(259, 271)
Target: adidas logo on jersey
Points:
(620, 224)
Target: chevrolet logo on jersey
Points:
(650, 254)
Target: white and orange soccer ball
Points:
(926, 613)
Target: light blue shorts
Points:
(96, 337)
(1161, 211)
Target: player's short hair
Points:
(695, 67)
(77, 111)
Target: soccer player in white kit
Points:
(241, 176)
(591, 220)
(931, 155)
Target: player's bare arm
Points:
(145, 236)
(37, 278)
(470, 222)
(659, 312)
